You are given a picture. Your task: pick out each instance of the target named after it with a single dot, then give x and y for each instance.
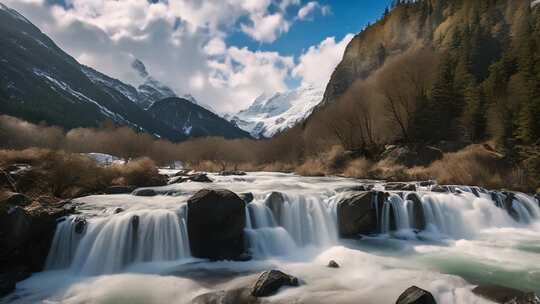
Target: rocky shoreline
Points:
(216, 221)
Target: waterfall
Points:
(301, 221)
(460, 214)
(108, 245)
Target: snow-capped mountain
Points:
(273, 114)
(39, 82)
(151, 90)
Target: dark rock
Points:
(235, 296)
(119, 190)
(118, 210)
(537, 197)
(415, 295)
(269, 282)
(144, 192)
(229, 173)
(216, 222)
(275, 202)
(509, 206)
(419, 218)
(333, 264)
(439, 188)
(80, 224)
(7, 284)
(400, 187)
(505, 295)
(357, 213)
(183, 172)
(200, 178)
(246, 197)
(26, 235)
(197, 177)
(359, 188)
(427, 183)
(14, 199)
(135, 220)
(475, 191)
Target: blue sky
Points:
(347, 16)
(224, 52)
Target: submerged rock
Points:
(197, 177)
(269, 282)
(119, 190)
(246, 197)
(440, 189)
(216, 222)
(333, 264)
(400, 187)
(80, 224)
(357, 213)
(229, 173)
(144, 192)
(416, 295)
(418, 222)
(275, 203)
(505, 295)
(234, 296)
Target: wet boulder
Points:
(119, 190)
(232, 172)
(275, 202)
(246, 197)
(234, 296)
(505, 295)
(269, 282)
(418, 220)
(400, 187)
(440, 189)
(501, 294)
(80, 224)
(196, 177)
(416, 295)
(7, 284)
(144, 192)
(26, 234)
(359, 188)
(357, 213)
(537, 197)
(332, 264)
(216, 222)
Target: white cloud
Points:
(307, 9)
(182, 43)
(266, 28)
(317, 64)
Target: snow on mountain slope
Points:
(272, 114)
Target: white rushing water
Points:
(129, 249)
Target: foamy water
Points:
(141, 255)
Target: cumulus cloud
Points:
(182, 43)
(317, 64)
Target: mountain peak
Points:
(270, 114)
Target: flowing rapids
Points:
(129, 249)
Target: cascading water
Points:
(107, 245)
(457, 215)
(300, 221)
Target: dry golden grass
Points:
(63, 174)
(474, 165)
(358, 168)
